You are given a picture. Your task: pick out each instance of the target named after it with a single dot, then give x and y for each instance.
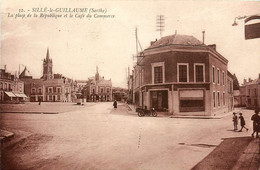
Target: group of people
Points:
(242, 121)
(255, 118)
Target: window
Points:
(223, 78)
(183, 73)
(191, 100)
(218, 78)
(214, 99)
(49, 89)
(248, 92)
(58, 90)
(1, 86)
(58, 97)
(213, 74)
(40, 90)
(33, 90)
(102, 90)
(255, 92)
(218, 99)
(93, 91)
(199, 73)
(108, 90)
(224, 100)
(50, 97)
(158, 74)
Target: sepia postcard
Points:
(150, 84)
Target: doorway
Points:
(159, 100)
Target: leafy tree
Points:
(235, 82)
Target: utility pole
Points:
(160, 23)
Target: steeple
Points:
(47, 67)
(47, 55)
(97, 74)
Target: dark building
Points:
(181, 75)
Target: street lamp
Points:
(235, 20)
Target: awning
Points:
(10, 94)
(19, 94)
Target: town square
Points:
(106, 87)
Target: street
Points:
(98, 137)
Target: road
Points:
(99, 137)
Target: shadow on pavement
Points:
(233, 153)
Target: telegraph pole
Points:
(160, 23)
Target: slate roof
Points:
(176, 39)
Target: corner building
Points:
(181, 75)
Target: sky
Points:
(77, 45)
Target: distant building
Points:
(99, 89)
(230, 91)
(180, 75)
(250, 93)
(50, 87)
(120, 94)
(11, 87)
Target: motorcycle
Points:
(142, 112)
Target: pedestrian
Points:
(235, 120)
(256, 123)
(242, 122)
(115, 104)
(39, 101)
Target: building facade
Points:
(250, 93)
(99, 89)
(181, 75)
(50, 87)
(11, 88)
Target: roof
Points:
(255, 81)
(176, 39)
(25, 73)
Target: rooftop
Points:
(176, 39)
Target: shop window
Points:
(159, 100)
(192, 101)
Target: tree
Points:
(235, 82)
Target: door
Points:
(159, 100)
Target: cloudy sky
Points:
(77, 45)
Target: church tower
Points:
(97, 74)
(47, 67)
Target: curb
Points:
(32, 112)
(5, 135)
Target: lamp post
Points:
(251, 30)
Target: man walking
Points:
(242, 122)
(235, 120)
(256, 123)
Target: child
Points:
(235, 120)
(242, 122)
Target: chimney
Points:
(259, 75)
(244, 81)
(152, 42)
(213, 46)
(5, 67)
(203, 37)
(249, 79)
